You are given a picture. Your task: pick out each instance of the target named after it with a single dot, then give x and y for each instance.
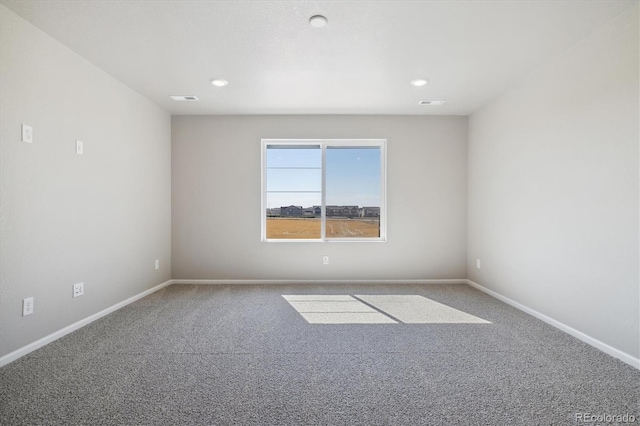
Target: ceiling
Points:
(360, 63)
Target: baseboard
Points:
(75, 326)
(234, 281)
(616, 353)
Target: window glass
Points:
(352, 192)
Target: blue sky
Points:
(353, 176)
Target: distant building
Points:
(342, 211)
(291, 211)
(369, 212)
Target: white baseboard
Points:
(616, 353)
(75, 326)
(233, 281)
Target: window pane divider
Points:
(323, 195)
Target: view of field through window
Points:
(294, 191)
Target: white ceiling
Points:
(360, 63)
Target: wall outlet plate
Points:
(157, 264)
(27, 306)
(78, 289)
(325, 260)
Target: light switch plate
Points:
(79, 147)
(27, 133)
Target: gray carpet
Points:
(218, 355)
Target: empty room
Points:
(319, 212)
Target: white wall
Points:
(101, 218)
(553, 189)
(216, 200)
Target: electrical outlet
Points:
(157, 265)
(27, 133)
(27, 306)
(78, 290)
(325, 260)
(478, 265)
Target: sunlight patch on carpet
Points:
(377, 309)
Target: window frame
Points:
(324, 143)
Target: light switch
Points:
(79, 147)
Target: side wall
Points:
(216, 200)
(101, 218)
(553, 189)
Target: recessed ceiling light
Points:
(184, 98)
(318, 21)
(420, 82)
(218, 82)
(430, 102)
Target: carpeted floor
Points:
(243, 354)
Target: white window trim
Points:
(382, 143)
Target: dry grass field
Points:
(279, 228)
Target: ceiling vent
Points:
(430, 102)
(185, 98)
